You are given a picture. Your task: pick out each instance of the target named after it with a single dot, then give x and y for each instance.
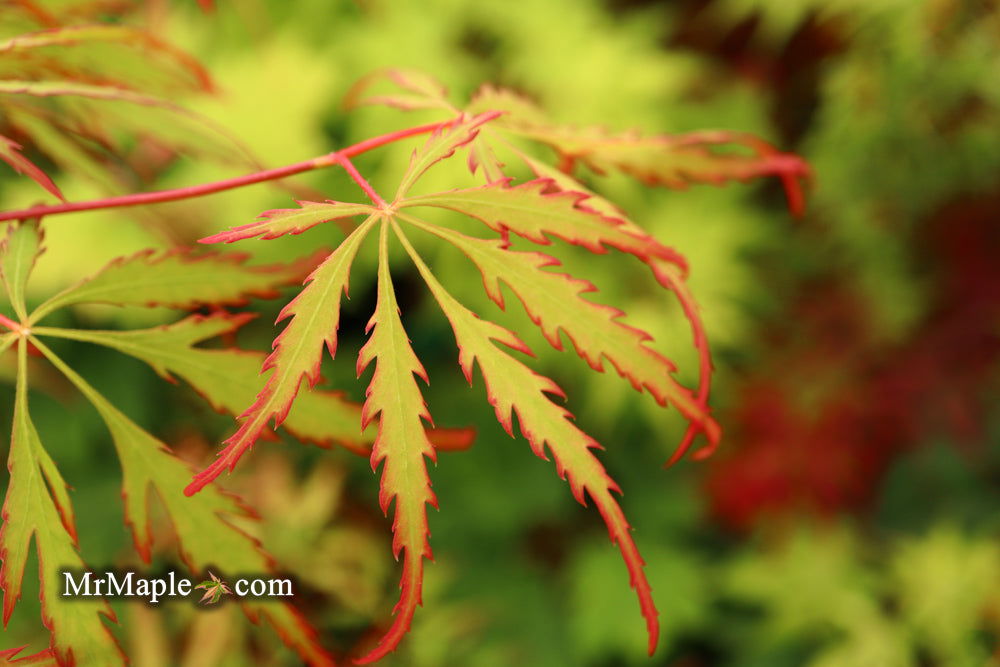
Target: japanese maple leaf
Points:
(539, 211)
(215, 588)
(38, 504)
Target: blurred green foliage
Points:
(895, 104)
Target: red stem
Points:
(160, 196)
(360, 180)
(9, 323)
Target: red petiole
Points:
(360, 180)
(340, 157)
(9, 323)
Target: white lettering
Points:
(119, 588)
(83, 588)
(282, 586)
(159, 588)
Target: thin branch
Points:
(160, 196)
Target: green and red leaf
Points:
(298, 350)
(204, 534)
(89, 91)
(674, 161)
(416, 90)
(513, 388)
(229, 379)
(539, 209)
(179, 279)
(19, 249)
(45, 658)
(37, 506)
(282, 221)
(46, 52)
(534, 211)
(554, 302)
(400, 446)
(10, 152)
(441, 145)
(215, 588)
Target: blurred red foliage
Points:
(829, 408)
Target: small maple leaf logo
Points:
(215, 588)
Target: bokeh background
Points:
(850, 517)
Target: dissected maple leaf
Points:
(280, 222)
(674, 161)
(41, 659)
(111, 54)
(149, 468)
(76, 93)
(31, 510)
(513, 388)
(553, 207)
(539, 211)
(229, 378)
(37, 504)
(669, 160)
(417, 91)
(178, 279)
(215, 588)
(10, 152)
(402, 444)
(314, 316)
(534, 211)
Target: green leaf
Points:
(229, 379)
(20, 248)
(512, 387)
(674, 161)
(298, 350)
(37, 505)
(65, 149)
(401, 446)
(272, 224)
(10, 152)
(567, 183)
(90, 91)
(204, 535)
(44, 658)
(419, 91)
(517, 108)
(532, 211)
(440, 146)
(177, 279)
(554, 302)
(86, 51)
